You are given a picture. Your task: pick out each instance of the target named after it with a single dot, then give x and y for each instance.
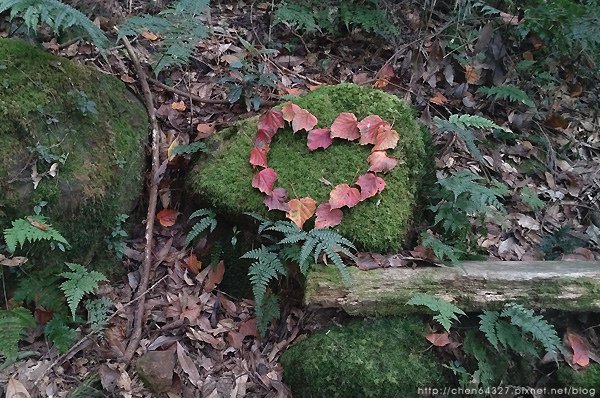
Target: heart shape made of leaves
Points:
(372, 130)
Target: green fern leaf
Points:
(446, 312)
(60, 334)
(507, 92)
(98, 310)
(441, 250)
(208, 221)
(14, 324)
(194, 147)
(539, 328)
(79, 282)
(511, 337)
(267, 311)
(31, 229)
(485, 372)
(487, 325)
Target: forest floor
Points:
(549, 160)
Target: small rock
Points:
(155, 369)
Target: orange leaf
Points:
(438, 339)
(215, 276)
(150, 36)
(438, 99)
(580, 351)
(204, 130)
(301, 210)
(193, 264)
(178, 106)
(167, 217)
(472, 74)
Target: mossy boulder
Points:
(223, 178)
(85, 123)
(385, 357)
(588, 378)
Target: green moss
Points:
(385, 357)
(379, 224)
(38, 107)
(584, 378)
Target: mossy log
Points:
(472, 286)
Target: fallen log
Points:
(472, 286)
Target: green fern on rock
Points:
(446, 313)
(31, 229)
(79, 282)
(13, 324)
(57, 15)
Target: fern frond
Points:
(285, 227)
(485, 372)
(192, 148)
(507, 92)
(208, 221)
(266, 268)
(487, 324)
(60, 334)
(511, 337)
(31, 229)
(441, 250)
(326, 241)
(539, 328)
(14, 324)
(267, 311)
(79, 282)
(56, 15)
(446, 312)
(473, 122)
(98, 310)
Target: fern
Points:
(266, 268)
(267, 311)
(79, 282)
(178, 25)
(539, 328)
(441, 250)
(507, 92)
(207, 220)
(41, 291)
(61, 335)
(462, 125)
(98, 310)
(14, 324)
(192, 148)
(487, 325)
(486, 372)
(446, 312)
(56, 15)
(31, 229)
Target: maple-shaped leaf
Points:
(438, 339)
(345, 126)
(263, 137)
(343, 195)
(277, 200)
(289, 110)
(264, 180)
(379, 162)
(328, 217)
(271, 121)
(303, 120)
(386, 138)
(369, 127)
(319, 138)
(370, 185)
(167, 217)
(258, 155)
(301, 210)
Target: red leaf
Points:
(277, 200)
(343, 195)
(289, 110)
(580, 351)
(438, 339)
(258, 156)
(167, 217)
(262, 138)
(215, 276)
(301, 210)
(370, 185)
(271, 121)
(345, 126)
(319, 138)
(328, 217)
(369, 127)
(303, 120)
(386, 138)
(380, 162)
(264, 180)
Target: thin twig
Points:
(189, 95)
(138, 321)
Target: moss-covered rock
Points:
(54, 111)
(385, 357)
(379, 224)
(588, 378)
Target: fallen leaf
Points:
(319, 138)
(343, 195)
(369, 261)
(384, 75)
(167, 217)
(16, 389)
(264, 180)
(178, 106)
(328, 217)
(277, 200)
(438, 339)
(301, 210)
(150, 36)
(258, 155)
(271, 121)
(204, 130)
(289, 110)
(556, 121)
(262, 138)
(472, 74)
(12, 262)
(174, 144)
(386, 138)
(438, 99)
(37, 224)
(580, 351)
(193, 264)
(345, 126)
(369, 127)
(215, 276)
(188, 366)
(370, 185)
(380, 162)
(303, 120)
